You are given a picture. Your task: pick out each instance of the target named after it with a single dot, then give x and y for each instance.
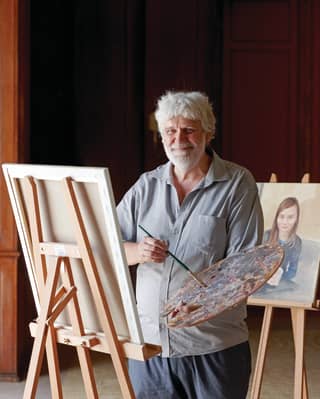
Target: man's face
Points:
(184, 142)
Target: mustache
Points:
(181, 147)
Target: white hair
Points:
(190, 105)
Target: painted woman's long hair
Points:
(286, 203)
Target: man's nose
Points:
(180, 135)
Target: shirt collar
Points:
(217, 171)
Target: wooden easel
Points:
(57, 293)
(298, 318)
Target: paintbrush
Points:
(178, 261)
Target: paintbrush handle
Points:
(143, 229)
(177, 260)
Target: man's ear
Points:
(208, 137)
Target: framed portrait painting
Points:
(291, 219)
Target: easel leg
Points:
(48, 296)
(53, 364)
(300, 379)
(261, 355)
(78, 328)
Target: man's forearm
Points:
(132, 253)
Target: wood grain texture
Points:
(13, 130)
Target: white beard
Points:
(186, 158)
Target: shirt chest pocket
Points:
(210, 235)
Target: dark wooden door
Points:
(16, 305)
(271, 87)
(183, 52)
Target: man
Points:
(202, 209)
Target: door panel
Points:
(260, 87)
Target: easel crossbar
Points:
(99, 343)
(59, 249)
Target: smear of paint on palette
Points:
(228, 282)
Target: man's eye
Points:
(170, 132)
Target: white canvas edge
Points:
(22, 236)
(98, 175)
(122, 272)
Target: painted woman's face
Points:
(287, 219)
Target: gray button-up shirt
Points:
(222, 215)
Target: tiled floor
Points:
(278, 374)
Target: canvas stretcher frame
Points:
(67, 225)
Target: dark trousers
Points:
(220, 375)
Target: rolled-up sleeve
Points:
(126, 216)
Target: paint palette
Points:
(227, 283)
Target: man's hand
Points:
(147, 250)
(152, 250)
